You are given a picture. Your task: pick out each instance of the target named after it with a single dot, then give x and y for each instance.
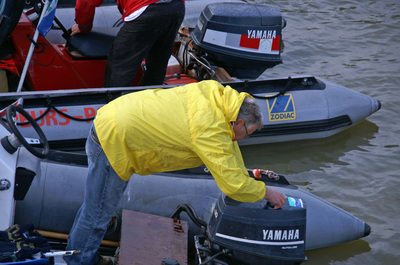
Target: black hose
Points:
(211, 258)
(71, 117)
(191, 213)
(185, 56)
(50, 107)
(36, 119)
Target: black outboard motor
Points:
(243, 38)
(254, 233)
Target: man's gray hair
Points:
(251, 113)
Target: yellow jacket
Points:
(159, 130)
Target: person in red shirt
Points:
(148, 32)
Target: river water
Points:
(355, 44)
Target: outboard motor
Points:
(245, 39)
(254, 233)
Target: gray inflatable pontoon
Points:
(294, 108)
(57, 192)
(48, 191)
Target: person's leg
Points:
(154, 30)
(126, 55)
(103, 192)
(169, 18)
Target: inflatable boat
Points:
(296, 108)
(232, 43)
(241, 43)
(45, 187)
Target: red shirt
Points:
(85, 9)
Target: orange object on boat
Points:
(256, 173)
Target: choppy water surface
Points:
(356, 44)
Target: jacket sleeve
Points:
(223, 158)
(84, 14)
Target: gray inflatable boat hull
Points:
(310, 108)
(57, 193)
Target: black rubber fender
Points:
(10, 13)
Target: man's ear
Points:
(239, 122)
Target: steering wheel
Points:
(11, 112)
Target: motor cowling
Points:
(245, 39)
(254, 233)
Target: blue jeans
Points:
(103, 192)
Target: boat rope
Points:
(280, 93)
(52, 107)
(40, 47)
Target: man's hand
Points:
(275, 197)
(75, 30)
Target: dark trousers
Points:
(151, 37)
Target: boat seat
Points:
(97, 43)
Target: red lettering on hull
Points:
(53, 118)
